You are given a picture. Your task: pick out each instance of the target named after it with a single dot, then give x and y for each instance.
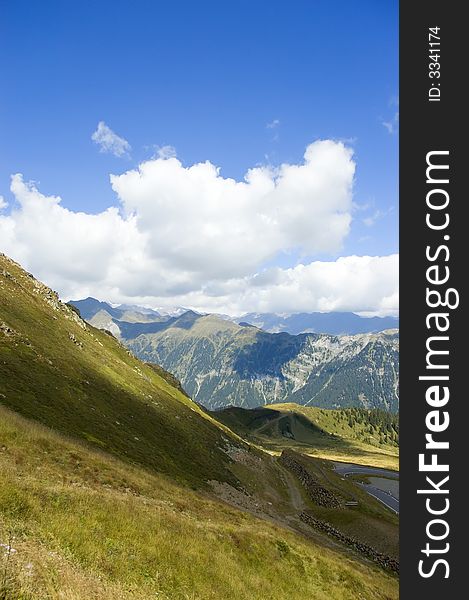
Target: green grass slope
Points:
(79, 380)
(370, 521)
(83, 525)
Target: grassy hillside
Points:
(332, 434)
(370, 521)
(114, 484)
(83, 382)
(371, 426)
(83, 525)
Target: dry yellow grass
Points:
(85, 525)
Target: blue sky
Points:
(206, 78)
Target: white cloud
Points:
(109, 142)
(364, 284)
(188, 236)
(212, 227)
(273, 124)
(388, 125)
(166, 152)
(392, 125)
(3, 203)
(360, 207)
(377, 216)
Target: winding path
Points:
(385, 497)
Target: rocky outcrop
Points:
(318, 494)
(384, 561)
(74, 339)
(47, 295)
(169, 377)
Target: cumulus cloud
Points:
(109, 142)
(214, 227)
(364, 284)
(3, 203)
(188, 236)
(273, 124)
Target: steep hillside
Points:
(221, 363)
(64, 373)
(77, 523)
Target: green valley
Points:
(367, 437)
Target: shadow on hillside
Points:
(186, 320)
(130, 331)
(275, 429)
(268, 354)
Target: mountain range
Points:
(221, 363)
(115, 484)
(335, 323)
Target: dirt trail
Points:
(292, 485)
